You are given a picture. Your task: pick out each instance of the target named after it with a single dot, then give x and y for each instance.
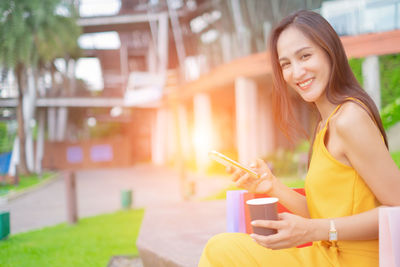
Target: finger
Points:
(253, 165)
(285, 215)
(243, 179)
(262, 240)
(274, 241)
(260, 163)
(237, 174)
(229, 169)
(268, 224)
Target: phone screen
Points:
(230, 162)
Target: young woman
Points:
(350, 174)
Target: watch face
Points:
(333, 236)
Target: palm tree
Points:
(32, 33)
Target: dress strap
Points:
(333, 113)
(349, 99)
(358, 101)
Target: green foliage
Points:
(34, 31)
(92, 242)
(389, 66)
(282, 162)
(6, 137)
(356, 66)
(390, 89)
(390, 114)
(396, 158)
(286, 163)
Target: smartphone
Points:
(230, 162)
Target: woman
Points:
(350, 173)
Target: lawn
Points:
(92, 242)
(26, 182)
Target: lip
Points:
(306, 83)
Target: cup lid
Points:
(262, 201)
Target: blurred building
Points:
(177, 78)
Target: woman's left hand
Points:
(292, 230)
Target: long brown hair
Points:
(341, 85)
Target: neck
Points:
(325, 108)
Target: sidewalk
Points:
(98, 192)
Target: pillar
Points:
(159, 137)
(202, 135)
(246, 119)
(40, 141)
(62, 119)
(51, 123)
(266, 126)
(371, 77)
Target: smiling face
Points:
(305, 66)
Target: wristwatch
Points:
(332, 232)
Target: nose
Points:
(298, 71)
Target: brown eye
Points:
(305, 56)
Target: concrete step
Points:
(174, 235)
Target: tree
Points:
(32, 33)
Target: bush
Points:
(396, 158)
(389, 66)
(289, 163)
(391, 114)
(356, 67)
(7, 136)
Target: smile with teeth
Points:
(305, 83)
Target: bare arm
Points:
(270, 185)
(365, 150)
(360, 140)
(362, 226)
(291, 199)
(295, 230)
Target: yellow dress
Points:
(332, 190)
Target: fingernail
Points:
(252, 223)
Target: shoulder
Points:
(351, 121)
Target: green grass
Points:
(92, 242)
(25, 182)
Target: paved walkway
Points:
(99, 191)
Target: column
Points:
(184, 131)
(159, 137)
(162, 43)
(62, 120)
(246, 119)
(40, 140)
(266, 127)
(370, 72)
(51, 123)
(202, 136)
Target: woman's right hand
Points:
(244, 180)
